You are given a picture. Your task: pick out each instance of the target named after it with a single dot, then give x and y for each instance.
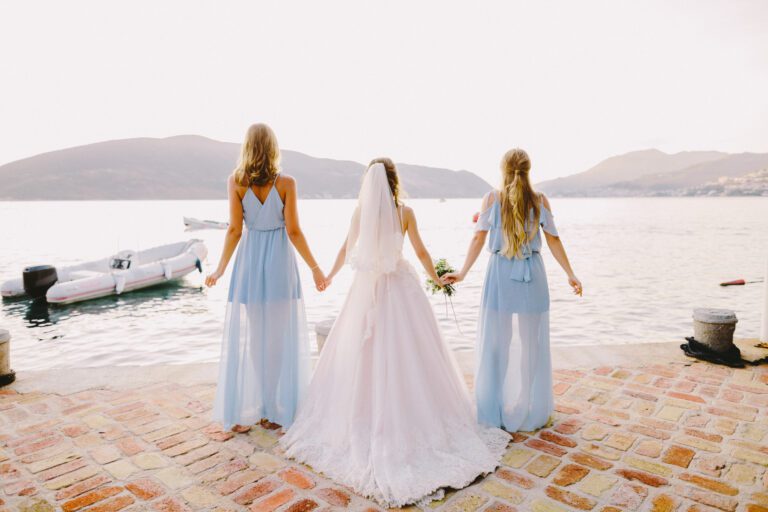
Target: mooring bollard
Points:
(6, 374)
(322, 329)
(714, 328)
(764, 326)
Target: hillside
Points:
(653, 172)
(194, 167)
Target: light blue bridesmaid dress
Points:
(265, 359)
(513, 384)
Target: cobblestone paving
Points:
(674, 437)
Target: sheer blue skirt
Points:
(513, 385)
(265, 358)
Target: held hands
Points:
(451, 278)
(321, 282)
(574, 282)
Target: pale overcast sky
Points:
(443, 83)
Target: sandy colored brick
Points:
(121, 469)
(542, 465)
(200, 497)
(670, 413)
(594, 432)
(267, 462)
(620, 440)
(173, 477)
(741, 474)
(467, 503)
(597, 484)
(646, 465)
(649, 448)
(505, 492)
(517, 457)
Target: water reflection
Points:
(40, 314)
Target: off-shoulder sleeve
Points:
(484, 218)
(547, 221)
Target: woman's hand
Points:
(574, 282)
(452, 277)
(213, 278)
(319, 278)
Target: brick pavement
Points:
(666, 437)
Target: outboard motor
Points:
(38, 279)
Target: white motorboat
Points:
(193, 224)
(125, 271)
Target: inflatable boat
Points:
(124, 272)
(193, 224)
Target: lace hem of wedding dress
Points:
(450, 469)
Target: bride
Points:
(387, 412)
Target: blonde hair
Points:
(517, 198)
(392, 178)
(259, 162)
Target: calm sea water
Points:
(645, 263)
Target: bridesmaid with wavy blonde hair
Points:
(265, 361)
(513, 383)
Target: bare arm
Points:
(418, 245)
(296, 235)
(340, 259)
(474, 250)
(234, 232)
(558, 251)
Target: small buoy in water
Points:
(739, 282)
(475, 217)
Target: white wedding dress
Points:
(387, 412)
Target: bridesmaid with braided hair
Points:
(513, 381)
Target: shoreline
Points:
(64, 381)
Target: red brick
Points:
(678, 456)
(81, 487)
(570, 474)
(297, 478)
(569, 426)
(74, 430)
(550, 436)
(546, 447)
(145, 488)
(334, 497)
(38, 445)
(518, 437)
(273, 501)
(216, 433)
(649, 431)
(709, 484)
(629, 496)
(129, 446)
(560, 388)
(170, 505)
(255, 492)
(113, 505)
(715, 438)
(515, 478)
(90, 498)
(569, 498)
(642, 476)
(686, 396)
(238, 480)
(591, 461)
(302, 506)
(62, 469)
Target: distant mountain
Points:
(653, 172)
(194, 167)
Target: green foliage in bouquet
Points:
(442, 267)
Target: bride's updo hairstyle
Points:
(392, 177)
(517, 199)
(259, 162)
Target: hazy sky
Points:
(440, 83)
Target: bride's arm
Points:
(340, 259)
(418, 245)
